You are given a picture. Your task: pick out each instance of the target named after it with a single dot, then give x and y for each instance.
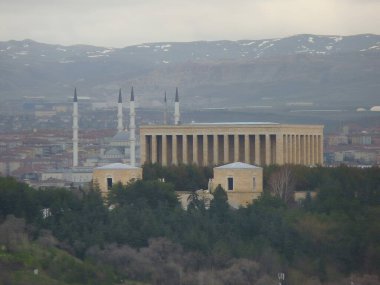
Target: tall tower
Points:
(165, 111)
(120, 113)
(75, 129)
(132, 128)
(176, 108)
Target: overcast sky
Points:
(119, 23)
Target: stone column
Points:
(164, 150)
(306, 151)
(236, 148)
(247, 154)
(154, 148)
(174, 150)
(216, 150)
(309, 149)
(257, 150)
(291, 149)
(316, 155)
(286, 154)
(195, 149)
(286, 149)
(303, 150)
(143, 146)
(298, 149)
(226, 149)
(205, 150)
(294, 148)
(315, 149)
(184, 149)
(312, 149)
(267, 150)
(321, 149)
(279, 149)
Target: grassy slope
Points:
(55, 267)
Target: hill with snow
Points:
(310, 69)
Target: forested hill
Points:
(324, 70)
(73, 237)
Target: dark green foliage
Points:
(18, 199)
(219, 205)
(321, 239)
(184, 177)
(153, 194)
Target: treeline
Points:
(184, 177)
(143, 233)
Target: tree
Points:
(282, 184)
(151, 193)
(13, 233)
(195, 202)
(219, 205)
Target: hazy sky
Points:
(119, 23)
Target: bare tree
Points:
(282, 184)
(13, 234)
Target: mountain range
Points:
(308, 70)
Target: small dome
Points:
(121, 137)
(113, 151)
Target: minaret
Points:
(132, 127)
(120, 113)
(165, 111)
(75, 129)
(176, 108)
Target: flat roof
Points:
(231, 125)
(238, 165)
(70, 170)
(236, 123)
(117, 166)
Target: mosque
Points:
(121, 149)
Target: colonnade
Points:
(215, 149)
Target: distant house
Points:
(108, 175)
(243, 182)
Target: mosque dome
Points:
(122, 136)
(121, 139)
(113, 152)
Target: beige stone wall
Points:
(118, 175)
(213, 144)
(237, 200)
(244, 191)
(301, 195)
(183, 197)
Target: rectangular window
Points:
(230, 183)
(109, 183)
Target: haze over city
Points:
(119, 23)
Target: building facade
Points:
(242, 182)
(108, 175)
(222, 143)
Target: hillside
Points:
(141, 233)
(322, 70)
